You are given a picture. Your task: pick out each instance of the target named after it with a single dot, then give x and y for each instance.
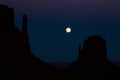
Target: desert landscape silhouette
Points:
(18, 62)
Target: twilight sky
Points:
(47, 20)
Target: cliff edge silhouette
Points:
(16, 58)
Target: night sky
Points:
(47, 20)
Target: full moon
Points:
(68, 29)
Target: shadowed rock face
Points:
(12, 40)
(7, 24)
(16, 59)
(94, 50)
(92, 57)
(92, 62)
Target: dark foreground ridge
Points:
(18, 62)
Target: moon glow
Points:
(68, 30)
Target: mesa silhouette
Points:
(18, 62)
(16, 59)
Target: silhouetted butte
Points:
(16, 59)
(92, 62)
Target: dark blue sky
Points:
(49, 18)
